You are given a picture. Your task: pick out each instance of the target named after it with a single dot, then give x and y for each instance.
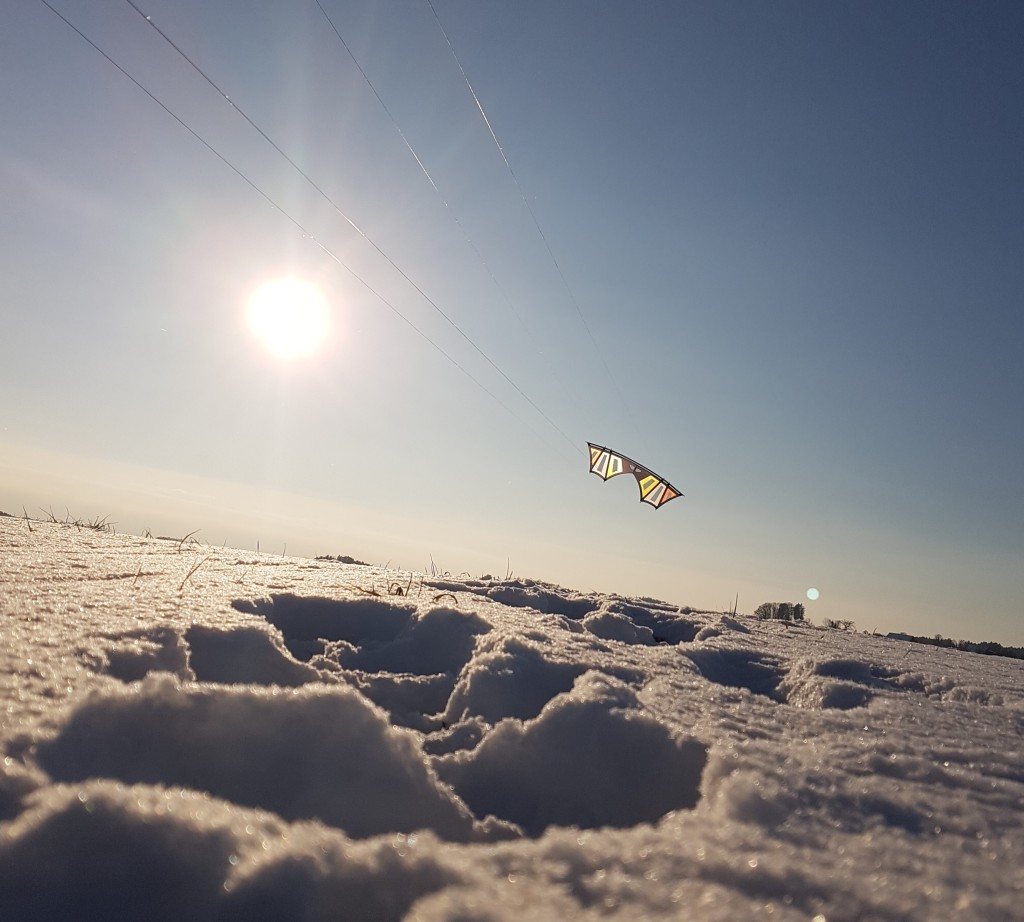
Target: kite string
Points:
(383, 104)
(421, 165)
(531, 212)
(444, 201)
(276, 207)
(353, 225)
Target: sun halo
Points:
(289, 316)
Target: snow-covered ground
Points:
(205, 733)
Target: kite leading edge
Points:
(654, 490)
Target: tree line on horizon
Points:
(986, 647)
(779, 611)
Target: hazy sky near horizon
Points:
(787, 276)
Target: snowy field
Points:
(197, 733)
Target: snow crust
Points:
(213, 734)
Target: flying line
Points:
(430, 179)
(294, 221)
(529, 208)
(353, 225)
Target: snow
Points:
(212, 734)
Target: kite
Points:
(654, 490)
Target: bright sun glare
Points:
(289, 316)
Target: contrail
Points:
(526, 202)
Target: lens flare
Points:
(289, 316)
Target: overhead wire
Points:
(337, 208)
(276, 207)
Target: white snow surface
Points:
(212, 734)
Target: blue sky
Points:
(792, 231)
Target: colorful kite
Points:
(654, 490)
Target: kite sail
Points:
(654, 490)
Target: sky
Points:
(770, 251)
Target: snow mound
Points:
(104, 851)
(738, 668)
(330, 880)
(307, 621)
(464, 735)
(591, 758)
(318, 752)
(511, 679)
(245, 655)
(114, 853)
(440, 641)
(945, 688)
(138, 653)
(839, 684)
(543, 600)
(17, 781)
(665, 626)
(724, 625)
(233, 656)
(610, 625)
(409, 699)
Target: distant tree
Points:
(838, 624)
(343, 558)
(779, 611)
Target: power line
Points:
(276, 207)
(352, 224)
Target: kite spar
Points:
(654, 490)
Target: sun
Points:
(289, 316)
